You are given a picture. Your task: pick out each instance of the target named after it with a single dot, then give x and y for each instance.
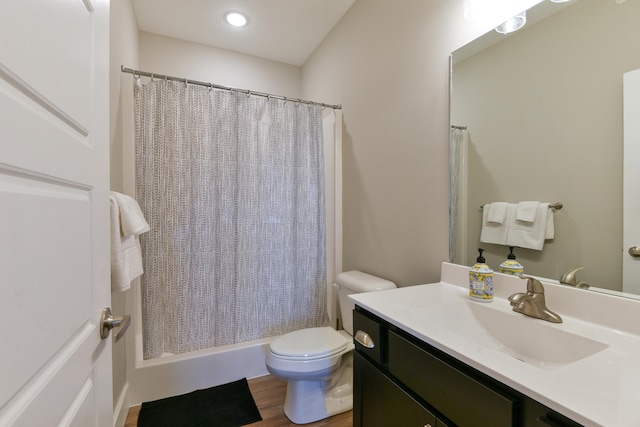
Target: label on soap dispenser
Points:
(511, 267)
(481, 283)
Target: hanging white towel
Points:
(493, 232)
(531, 235)
(550, 231)
(497, 212)
(132, 222)
(527, 211)
(126, 255)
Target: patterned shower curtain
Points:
(456, 148)
(233, 188)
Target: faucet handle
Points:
(533, 285)
(569, 278)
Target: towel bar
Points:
(556, 205)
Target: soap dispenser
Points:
(481, 280)
(511, 266)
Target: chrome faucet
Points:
(569, 278)
(533, 302)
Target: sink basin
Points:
(527, 339)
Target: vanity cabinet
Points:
(400, 380)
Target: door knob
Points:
(108, 322)
(634, 251)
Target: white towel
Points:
(531, 235)
(550, 231)
(527, 211)
(495, 233)
(497, 212)
(126, 255)
(132, 220)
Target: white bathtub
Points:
(172, 375)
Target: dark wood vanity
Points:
(401, 381)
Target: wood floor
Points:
(269, 393)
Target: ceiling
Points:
(281, 30)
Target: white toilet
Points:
(318, 362)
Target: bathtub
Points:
(171, 375)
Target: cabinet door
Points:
(378, 402)
(464, 400)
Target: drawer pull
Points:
(364, 339)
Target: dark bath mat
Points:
(227, 405)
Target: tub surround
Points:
(596, 389)
(173, 375)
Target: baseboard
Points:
(121, 408)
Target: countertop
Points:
(602, 389)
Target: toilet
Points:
(318, 362)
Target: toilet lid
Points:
(309, 343)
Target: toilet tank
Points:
(353, 282)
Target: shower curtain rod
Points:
(232, 89)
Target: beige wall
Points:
(178, 58)
(123, 51)
(545, 121)
(387, 63)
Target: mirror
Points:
(543, 110)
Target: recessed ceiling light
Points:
(236, 19)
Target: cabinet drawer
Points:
(363, 324)
(459, 397)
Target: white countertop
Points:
(602, 389)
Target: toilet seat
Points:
(309, 344)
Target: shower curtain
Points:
(233, 188)
(457, 194)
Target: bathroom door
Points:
(631, 186)
(54, 213)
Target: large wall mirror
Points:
(543, 112)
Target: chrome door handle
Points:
(108, 322)
(364, 339)
(634, 251)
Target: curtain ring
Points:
(186, 83)
(248, 94)
(151, 76)
(137, 81)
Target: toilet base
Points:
(305, 402)
(309, 401)
(311, 404)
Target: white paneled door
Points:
(631, 186)
(54, 211)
